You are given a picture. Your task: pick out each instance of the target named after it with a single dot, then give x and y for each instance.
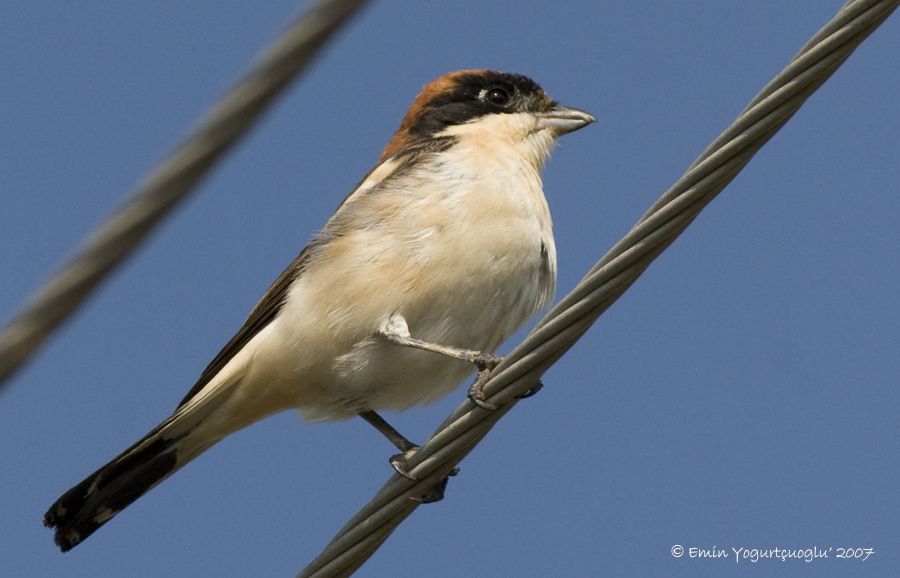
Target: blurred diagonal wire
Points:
(604, 283)
(170, 183)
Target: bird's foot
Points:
(537, 387)
(432, 494)
(399, 462)
(476, 390)
(485, 363)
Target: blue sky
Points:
(743, 393)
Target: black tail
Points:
(103, 494)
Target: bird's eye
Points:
(497, 96)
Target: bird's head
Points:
(473, 103)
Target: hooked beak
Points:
(562, 119)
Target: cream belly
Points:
(484, 265)
(462, 250)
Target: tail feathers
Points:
(93, 502)
(171, 445)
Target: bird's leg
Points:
(407, 449)
(388, 431)
(396, 331)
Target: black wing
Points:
(263, 314)
(273, 300)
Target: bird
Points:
(439, 254)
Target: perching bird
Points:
(439, 254)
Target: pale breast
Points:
(464, 253)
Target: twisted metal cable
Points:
(170, 183)
(604, 283)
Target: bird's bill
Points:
(563, 119)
